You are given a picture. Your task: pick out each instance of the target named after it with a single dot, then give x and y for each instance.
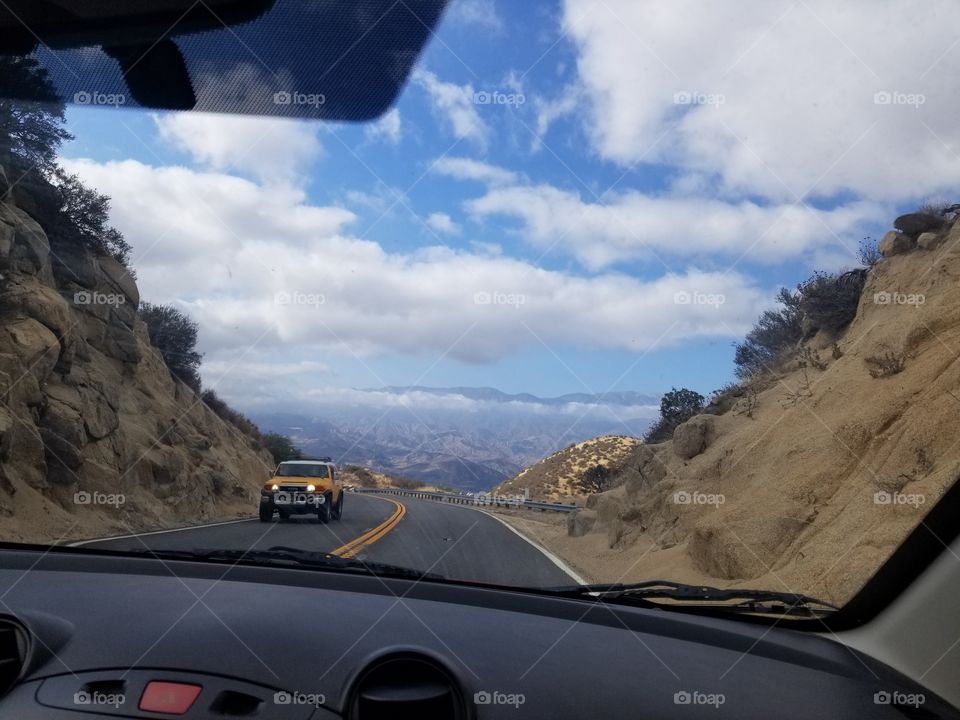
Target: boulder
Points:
(580, 522)
(644, 470)
(40, 302)
(930, 240)
(99, 417)
(6, 433)
(120, 279)
(692, 437)
(64, 436)
(31, 250)
(37, 347)
(914, 224)
(895, 243)
(608, 508)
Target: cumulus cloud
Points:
(260, 267)
(632, 225)
(455, 105)
(442, 223)
(476, 13)
(463, 168)
(387, 129)
(269, 149)
(775, 99)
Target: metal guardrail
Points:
(479, 499)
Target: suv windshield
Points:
(648, 298)
(301, 470)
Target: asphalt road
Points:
(454, 541)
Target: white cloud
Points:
(478, 13)
(269, 149)
(549, 111)
(258, 267)
(388, 128)
(798, 84)
(442, 223)
(631, 225)
(455, 105)
(466, 169)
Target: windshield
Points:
(302, 470)
(608, 293)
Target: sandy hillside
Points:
(558, 477)
(809, 480)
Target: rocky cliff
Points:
(96, 436)
(809, 477)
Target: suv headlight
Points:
(311, 487)
(275, 487)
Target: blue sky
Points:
(644, 196)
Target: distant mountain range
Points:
(461, 437)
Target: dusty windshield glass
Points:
(669, 314)
(304, 470)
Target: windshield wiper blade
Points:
(769, 601)
(280, 555)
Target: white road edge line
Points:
(550, 556)
(158, 532)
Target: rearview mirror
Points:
(334, 60)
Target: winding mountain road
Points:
(455, 541)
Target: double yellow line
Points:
(374, 534)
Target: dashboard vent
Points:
(12, 654)
(399, 687)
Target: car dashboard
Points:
(87, 636)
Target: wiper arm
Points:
(760, 601)
(280, 555)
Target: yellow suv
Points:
(301, 487)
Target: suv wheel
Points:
(338, 508)
(323, 512)
(266, 514)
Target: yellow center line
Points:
(374, 534)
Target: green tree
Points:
(81, 218)
(31, 117)
(776, 333)
(175, 336)
(281, 447)
(676, 407)
(680, 405)
(596, 479)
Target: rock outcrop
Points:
(96, 436)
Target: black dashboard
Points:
(101, 636)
